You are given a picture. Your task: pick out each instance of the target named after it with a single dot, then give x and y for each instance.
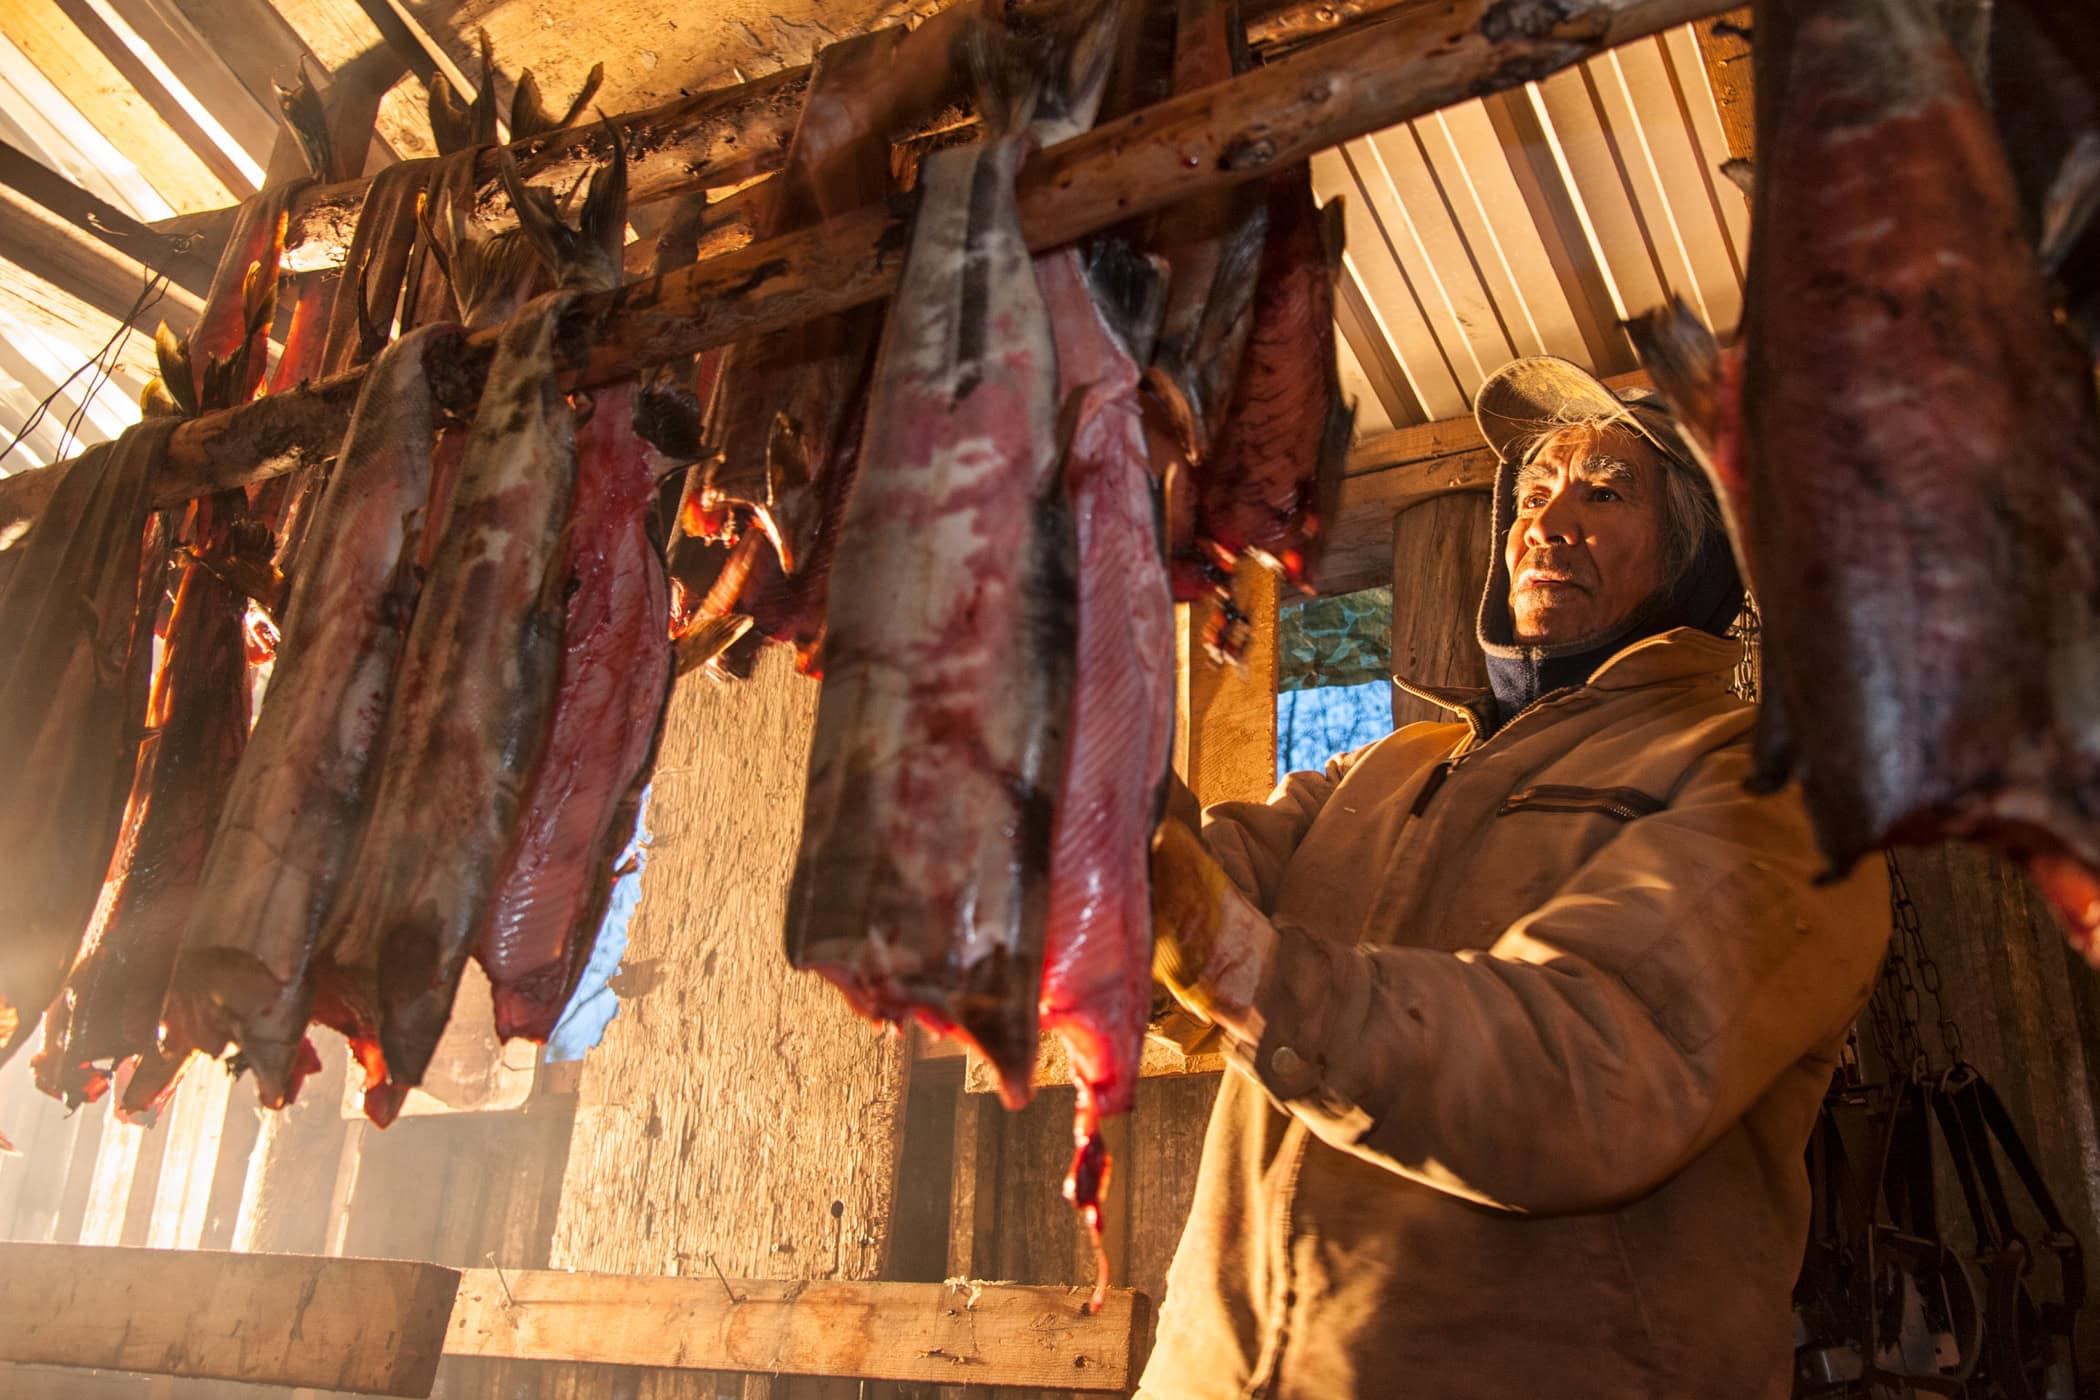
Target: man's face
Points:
(1585, 547)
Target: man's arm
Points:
(1606, 1038)
(1255, 840)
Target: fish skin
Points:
(1271, 487)
(300, 796)
(466, 722)
(69, 705)
(109, 1010)
(615, 683)
(1214, 243)
(1919, 499)
(1097, 962)
(921, 883)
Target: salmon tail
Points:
(529, 115)
(307, 120)
(1702, 384)
(1684, 359)
(1131, 289)
(1083, 41)
(1006, 75)
(584, 256)
(1084, 1183)
(2072, 201)
(603, 221)
(1302, 565)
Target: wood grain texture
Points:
(737, 1115)
(997, 1334)
(1225, 733)
(1724, 46)
(1440, 561)
(359, 1324)
(1053, 1067)
(109, 102)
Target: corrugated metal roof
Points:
(1532, 222)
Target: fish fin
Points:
(2072, 201)
(451, 124)
(1006, 75)
(1334, 236)
(529, 116)
(667, 417)
(1742, 174)
(481, 112)
(603, 222)
(1131, 289)
(176, 375)
(1083, 39)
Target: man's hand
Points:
(1211, 947)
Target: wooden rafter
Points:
(107, 99)
(86, 216)
(1387, 71)
(165, 103)
(1724, 46)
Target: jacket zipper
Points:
(1438, 774)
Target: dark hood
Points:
(1707, 595)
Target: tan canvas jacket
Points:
(1549, 1022)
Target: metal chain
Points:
(1745, 629)
(1897, 1007)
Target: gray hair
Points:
(1690, 511)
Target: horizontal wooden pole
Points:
(931, 1333)
(710, 139)
(1359, 80)
(370, 1325)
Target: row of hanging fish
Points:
(994, 727)
(1906, 439)
(429, 776)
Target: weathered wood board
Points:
(1440, 561)
(994, 1334)
(376, 1326)
(737, 1115)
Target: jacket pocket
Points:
(1623, 803)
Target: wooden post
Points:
(1440, 561)
(1225, 742)
(738, 1118)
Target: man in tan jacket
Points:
(1531, 1010)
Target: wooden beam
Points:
(1454, 48)
(1053, 1067)
(929, 1333)
(347, 1324)
(82, 265)
(250, 120)
(165, 104)
(109, 102)
(98, 219)
(1340, 88)
(1724, 46)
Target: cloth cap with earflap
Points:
(1517, 407)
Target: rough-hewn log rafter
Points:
(1362, 79)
